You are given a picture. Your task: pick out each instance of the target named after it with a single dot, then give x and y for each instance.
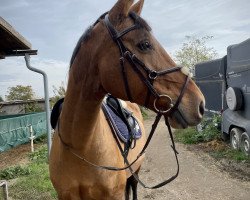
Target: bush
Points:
(209, 130)
(41, 139)
(14, 172)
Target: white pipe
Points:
(46, 95)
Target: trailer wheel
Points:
(245, 143)
(235, 135)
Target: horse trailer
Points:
(225, 83)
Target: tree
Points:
(32, 107)
(195, 50)
(20, 92)
(58, 93)
(1, 99)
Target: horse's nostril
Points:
(202, 108)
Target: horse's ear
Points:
(137, 7)
(120, 10)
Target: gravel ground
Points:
(199, 178)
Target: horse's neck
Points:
(79, 121)
(81, 112)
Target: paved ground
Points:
(198, 179)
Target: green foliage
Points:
(39, 156)
(58, 93)
(231, 154)
(14, 172)
(195, 50)
(41, 139)
(20, 92)
(186, 136)
(210, 130)
(36, 186)
(144, 112)
(32, 107)
(33, 179)
(1, 99)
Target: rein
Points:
(137, 65)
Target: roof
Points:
(15, 102)
(11, 41)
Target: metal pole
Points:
(5, 189)
(46, 95)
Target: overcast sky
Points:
(53, 27)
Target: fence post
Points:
(32, 137)
(3, 184)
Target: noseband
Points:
(138, 65)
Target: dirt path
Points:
(197, 179)
(16, 156)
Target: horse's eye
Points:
(144, 45)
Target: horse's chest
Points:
(99, 192)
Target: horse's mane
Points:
(83, 38)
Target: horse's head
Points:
(132, 65)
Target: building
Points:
(21, 107)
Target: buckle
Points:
(122, 60)
(152, 75)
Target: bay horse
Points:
(117, 55)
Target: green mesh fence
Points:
(14, 130)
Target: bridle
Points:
(137, 65)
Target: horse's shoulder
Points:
(134, 108)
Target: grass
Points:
(32, 180)
(36, 186)
(231, 154)
(144, 112)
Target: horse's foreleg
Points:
(131, 183)
(127, 189)
(134, 184)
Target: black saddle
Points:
(55, 113)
